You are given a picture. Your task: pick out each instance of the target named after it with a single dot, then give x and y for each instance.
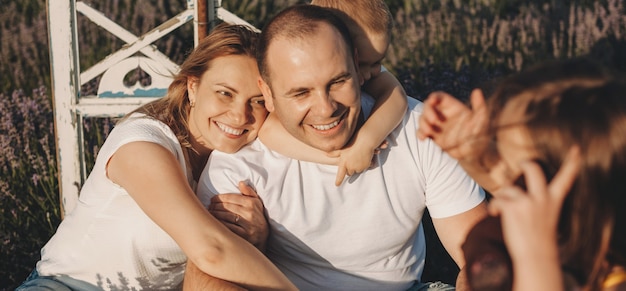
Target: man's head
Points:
(309, 76)
(370, 24)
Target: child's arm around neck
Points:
(389, 109)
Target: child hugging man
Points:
(370, 23)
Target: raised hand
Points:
(529, 222)
(243, 213)
(457, 129)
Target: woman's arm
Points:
(153, 178)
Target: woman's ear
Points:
(192, 87)
(267, 94)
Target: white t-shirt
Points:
(365, 234)
(107, 241)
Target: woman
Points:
(138, 219)
(550, 143)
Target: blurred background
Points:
(450, 45)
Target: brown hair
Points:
(371, 16)
(297, 23)
(173, 109)
(578, 102)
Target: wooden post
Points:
(65, 88)
(202, 21)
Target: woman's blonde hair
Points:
(173, 109)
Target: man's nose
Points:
(325, 105)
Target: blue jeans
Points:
(36, 282)
(431, 286)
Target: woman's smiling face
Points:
(228, 106)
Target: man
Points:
(366, 233)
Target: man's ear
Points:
(192, 87)
(267, 94)
(356, 66)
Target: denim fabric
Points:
(36, 282)
(431, 286)
(56, 283)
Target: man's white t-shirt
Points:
(365, 234)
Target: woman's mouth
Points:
(229, 130)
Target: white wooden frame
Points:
(113, 99)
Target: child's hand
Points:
(530, 218)
(354, 158)
(530, 222)
(456, 128)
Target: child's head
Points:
(539, 115)
(370, 24)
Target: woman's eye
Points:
(225, 93)
(258, 102)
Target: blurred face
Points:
(371, 49)
(314, 88)
(514, 142)
(229, 107)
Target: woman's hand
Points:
(243, 214)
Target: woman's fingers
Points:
(247, 190)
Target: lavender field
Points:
(451, 45)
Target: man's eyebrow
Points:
(345, 75)
(296, 90)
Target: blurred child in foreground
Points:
(550, 145)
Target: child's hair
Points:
(578, 102)
(224, 40)
(371, 16)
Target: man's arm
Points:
(452, 232)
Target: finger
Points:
(567, 174)
(493, 208)
(229, 198)
(434, 98)
(479, 107)
(477, 100)
(246, 190)
(384, 145)
(535, 179)
(425, 129)
(341, 174)
(226, 216)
